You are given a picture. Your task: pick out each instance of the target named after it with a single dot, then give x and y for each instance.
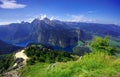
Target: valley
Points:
(59, 38)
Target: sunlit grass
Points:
(96, 64)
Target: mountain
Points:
(98, 29)
(7, 48)
(14, 31)
(56, 33)
(52, 32)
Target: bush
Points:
(103, 45)
(5, 62)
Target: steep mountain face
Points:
(14, 31)
(55, 32)
(7, 48)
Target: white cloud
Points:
(11, 4)
(85, 18)
(53, 18)
(81, 18)
(6, 23)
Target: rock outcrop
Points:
(19, 63)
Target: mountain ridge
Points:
(55, 32)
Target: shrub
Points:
(103, 45)
(47, 55)
(6, 61)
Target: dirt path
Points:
(22, 55)
(20, 62)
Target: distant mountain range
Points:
(55, 32)
(7, 48)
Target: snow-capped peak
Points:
(42, 17)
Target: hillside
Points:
(7, 48)
(101, 62)
(46, 54)
(91, 65)
(44, 61)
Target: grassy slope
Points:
(37, 70)
(91, 65)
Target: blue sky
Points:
(97, 11)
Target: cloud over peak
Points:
(81, 18)
(11, 4)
